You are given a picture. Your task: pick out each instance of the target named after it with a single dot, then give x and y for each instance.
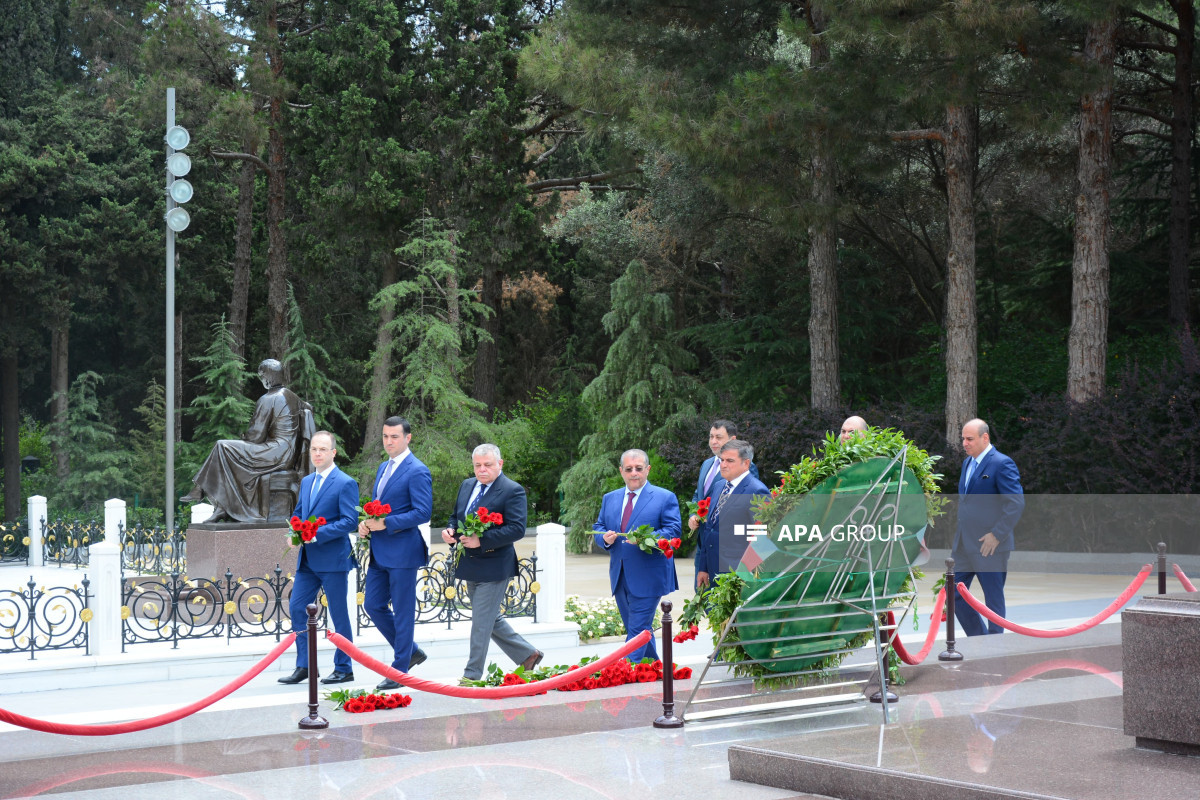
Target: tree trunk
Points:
(487, 356)
(1179, 233)
(1087, 346)
(453, 314)
(962, 336)
(10, 429)
(377, 393)
(826, 383)
(277, 261)
(59, 384)
(239, 300)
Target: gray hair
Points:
(332, 438)
(743, 448)
(487, 449)
(638, 453)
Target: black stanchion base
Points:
(314, 723)
(892, 697)
(668, 721)
(950, 655)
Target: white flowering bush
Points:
(598, 618)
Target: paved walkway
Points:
(562, 745)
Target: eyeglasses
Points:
(633, 469)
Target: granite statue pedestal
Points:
(249, 549)
(1160, 637)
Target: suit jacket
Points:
(710, 556)
(337, 502)
(704, 468)
(410, 494)
(646, 574)
(495, 559)
(992, 502)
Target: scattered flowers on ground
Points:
(617, 673)
(359, 701)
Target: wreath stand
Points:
(816, 691)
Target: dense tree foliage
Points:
(579, 227)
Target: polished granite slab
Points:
(1040, 724)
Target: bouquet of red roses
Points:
(643, 536)
(372, 509)
(700, 510)
(304, 530)
(474, 525)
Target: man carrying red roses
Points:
(330, 497)
(488, 561)
(719, 548)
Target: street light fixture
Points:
(178, 137)
(178, 164)
(181, 190)
(178, 219)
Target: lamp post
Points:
(179, 191)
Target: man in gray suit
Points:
(488, 562)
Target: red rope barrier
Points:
(1183, 579)
(486, 692)
(934, 627)
(1112, 608)
(109, 729)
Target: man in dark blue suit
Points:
(990, 502)
(722, 431)
(397, 548)
(488, 562)
(719, 547)
(639, 579)
(324, 562)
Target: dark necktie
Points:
(628, 512)
(475, 503)
(728, 490)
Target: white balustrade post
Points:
(104, 564)
(114, 521)
(37, 513)
(552, 572)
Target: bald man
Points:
(852, 427)
(990, 502)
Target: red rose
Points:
(320, 521)
(386, 508)
(405, 701)
(656, 665)
(589, 683)
(663, 544)
(495, 518)
(676, 543)
(683, 673)
(483, 514)
(353, 706)
(294, 521)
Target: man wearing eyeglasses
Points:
(639, 579)
(325, 562)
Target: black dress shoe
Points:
(387, 684)
(194, 496)
(417, 658)
(219, 515)
(301, 674)
(533, 660)
(339, 677)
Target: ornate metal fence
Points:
(37, 619)
(14, 543)
(175, 607)
(66, 541)
(443, 599)
(153, 549)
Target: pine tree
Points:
(222, 411)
